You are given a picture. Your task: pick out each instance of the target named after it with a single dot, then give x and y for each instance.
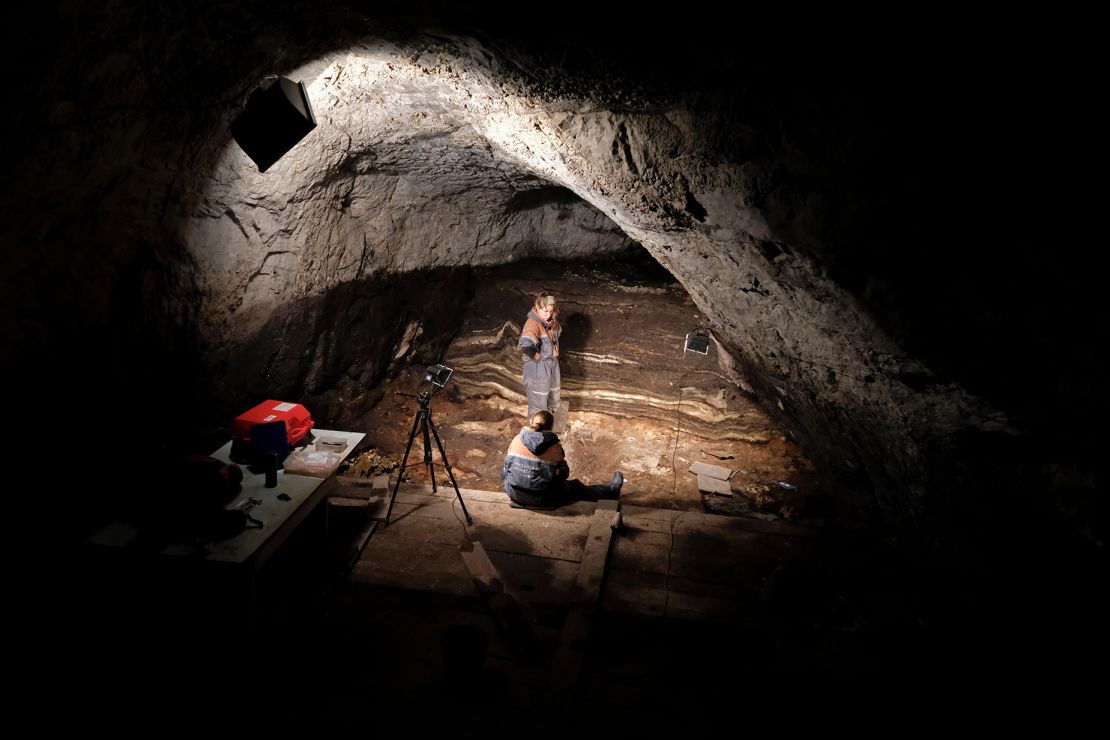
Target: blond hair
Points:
(545, 299)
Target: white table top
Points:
(274, 513)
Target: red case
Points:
(296, 417)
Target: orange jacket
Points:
(534, 462)
(534, 333)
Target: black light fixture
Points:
(697, 341)
(276, 117)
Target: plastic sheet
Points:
(315, 463)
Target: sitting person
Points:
(535, 470)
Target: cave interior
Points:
(873, 230)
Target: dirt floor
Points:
(637, 402)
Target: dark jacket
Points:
(535, 468)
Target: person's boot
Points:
(615, 485)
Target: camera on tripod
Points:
(437, 376)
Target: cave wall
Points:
(146, 261)
(397, 182)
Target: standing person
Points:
(535, 471)
(539, 348)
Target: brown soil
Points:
(653, 444)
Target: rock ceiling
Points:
(777, 194)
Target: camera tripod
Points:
(423, 420)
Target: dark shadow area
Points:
(145, 639)
(541, 197)
(578, 327)
(162, 397)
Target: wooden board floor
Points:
(411, 590)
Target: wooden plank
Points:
(482, 570)
(598, 542)
(405, 556)
(342, 502)
(634, 592)
(428, 529)
(417, 498)
(502, 529)
(351, 487)
(691, 521)
(642, 537)
(669, 596)
(536, 580)
(540, 550)
(500, 500)
(706, 484)
(547, 540)
(696, 521)
(495, 501)
(659, 520)
(472, 494)
(500, 601)
(653, 520)
(567, 665)
(720, 559)
(400, 509)
(647, 557)
(704, 564)
(355, 553)
(444, 507)
(435, 581)
(408, 558)
(447, 491)
(425, 507)
(483, 620)
(346, 487)
(734, 544)
(710, 471)
(581, 512)
(653, 559)
(677, 584)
